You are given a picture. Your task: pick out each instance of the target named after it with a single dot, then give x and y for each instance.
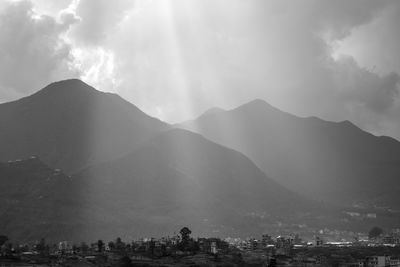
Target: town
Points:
(379, 249)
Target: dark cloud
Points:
(386, 92)
(175, 60)
(363, 88)
(31, 47)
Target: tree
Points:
(111, 245)
(42, 248)
(237, 258)
(119, 245)
(100, 245)
(185, 234)
(84, 247)
(3, 239)
(125, 262)
(187, 244)
(375, 232)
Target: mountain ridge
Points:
(308, 155)
(70, 125)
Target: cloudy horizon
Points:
(335, 60)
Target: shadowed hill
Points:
(138, 178)
(180, 178)
(37, 201)
(175, 179)
(71, 125)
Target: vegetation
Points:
(375, 232)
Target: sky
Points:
(337, 60)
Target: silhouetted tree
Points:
(272, 262)
(84, 247)
(119, 245)
(75, 249)
(237, 258)
(42, 248)
(100, 245)
(125, 262)
(185, 233)
(111, 245)
(375, 232)
(3, 239)
(8, 248)
(187, 243)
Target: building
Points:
(65, 247)
(318, 242)
(212, 245)
(394, 262)
(377, 261)
(392, 239)
(266, 240)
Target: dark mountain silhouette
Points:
(36, 201)
(333, 161)
(140, 178)
(137, 177)
(71, 125)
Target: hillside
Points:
(180, 178)
(176, 179)
(70, 125)
(37, 201)
(331, 161)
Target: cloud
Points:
(374, 44)
(364, 89)
(174, 60)
(32, 50)
(100, 19)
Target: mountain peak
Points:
(257, 105)
(70, 86)
(69, 81)
(70, 124)
(258, 101)
(212, 111)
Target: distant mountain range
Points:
(331, 161)
(79, 164)
(128, 173)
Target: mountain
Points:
(211, 111)
(70, 125)
(180, 178)
(330, 161)
(176, 179)
(134, 176)
(37, 201)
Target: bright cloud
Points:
(174, 59)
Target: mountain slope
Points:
(337, 162)
(176, 179)
(37, 201)
(71, 125)
(180, 178)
